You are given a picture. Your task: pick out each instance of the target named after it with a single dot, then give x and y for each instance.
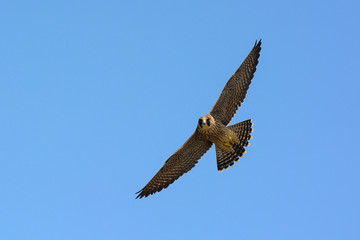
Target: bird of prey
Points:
(212, 128)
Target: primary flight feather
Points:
(212, 128)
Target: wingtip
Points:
(257, 45)
(141, 194)
(258, 42)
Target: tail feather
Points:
(226, 159)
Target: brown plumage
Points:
(226, 159)
(212, 128)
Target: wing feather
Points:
(236, 88)
(182, 161)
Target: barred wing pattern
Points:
(226, 159)
(182, 161)
(236, 88)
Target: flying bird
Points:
(213, 128)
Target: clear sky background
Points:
(96, 95)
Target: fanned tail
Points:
(226, 159)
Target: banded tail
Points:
(243, 130)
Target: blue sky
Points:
(96, 95)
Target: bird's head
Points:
(206, 122)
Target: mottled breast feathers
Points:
(231, 98)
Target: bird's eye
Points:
(208, 122)
(200, 122)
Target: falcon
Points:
(213, 129)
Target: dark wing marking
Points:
(235, 90)
(182, 161)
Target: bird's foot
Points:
(230, 143)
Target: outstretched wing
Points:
(182, 161)
(235, 90)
